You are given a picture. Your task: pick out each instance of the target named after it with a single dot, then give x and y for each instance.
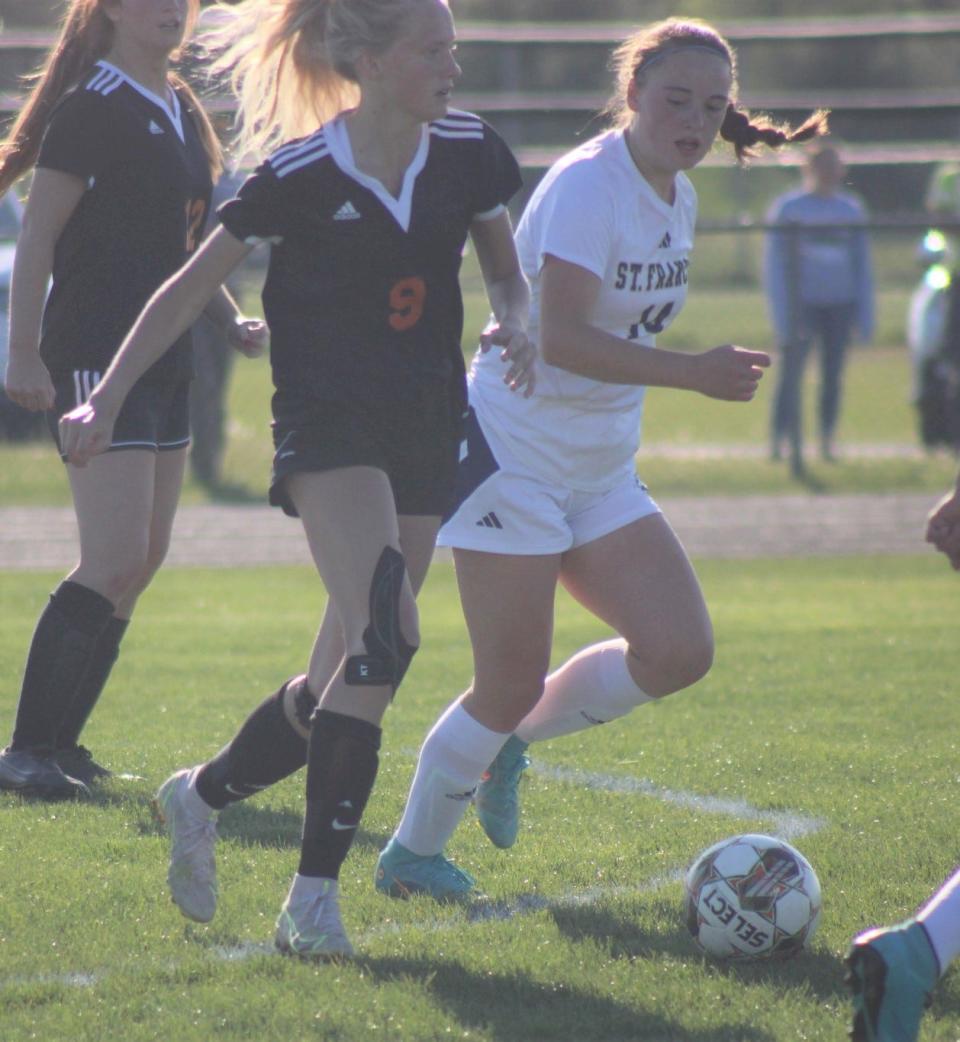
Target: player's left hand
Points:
(518, 351)
(248, 336)
(943, 527)
(85, 432)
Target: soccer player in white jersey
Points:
(893, 970)
(123, 158)
(548, 489)
(367, 216)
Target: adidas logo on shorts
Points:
(489, 521)
(347, 212)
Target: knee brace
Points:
(388, 654)
(304, 702)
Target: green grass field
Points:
(876, 409)
(833, 697)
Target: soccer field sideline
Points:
(743, 526)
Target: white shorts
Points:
(501, 507)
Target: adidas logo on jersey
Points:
(347, 212)
(154, 127)
(489, 521)
(665, 241)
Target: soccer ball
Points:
(752, 897)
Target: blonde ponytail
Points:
(291, 63)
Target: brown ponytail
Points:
(85, 37)
(744, 131)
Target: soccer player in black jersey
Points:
(367, 217)
(124, 157)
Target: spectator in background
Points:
(212, 364)
(819, 284)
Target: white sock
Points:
(195, 803)
(452, 758)
(305, 887)
(591, 688)
(941, 919)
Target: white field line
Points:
(786, 824)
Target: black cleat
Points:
(78, 762)
(33, 772)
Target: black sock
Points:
(341, 769)
(60, 650)
(265, 750)
(105, 654)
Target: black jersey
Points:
(362, 294)
(143, 213)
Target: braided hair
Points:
(651, 44)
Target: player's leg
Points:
(639, 581)
(270, 745)
(893, 971)
(353, 532)
(113, 501)
(74, 759)
(508, 605)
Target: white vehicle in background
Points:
(936, 369)
(15, 423)
(11, 214)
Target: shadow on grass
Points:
(243, 824)
(508, 1007)
(818, 972)
(248, 825)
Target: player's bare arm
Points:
(509, 296)
(53, 198)
(246, 335)
(86, 430)
(570, 341)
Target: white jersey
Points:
(596, 210)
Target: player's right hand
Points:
(85, 432)
(729, 373)
(28, 382)
(943, 527)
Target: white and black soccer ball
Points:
(752, 897)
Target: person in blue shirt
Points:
(819, 285)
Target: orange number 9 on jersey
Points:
(406, 303)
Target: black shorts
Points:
(415, 442)
(154, 416)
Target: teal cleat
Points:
(891, 973)
(497, 803)
(401, 873)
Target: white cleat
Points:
(192, 875)
(310, 927)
